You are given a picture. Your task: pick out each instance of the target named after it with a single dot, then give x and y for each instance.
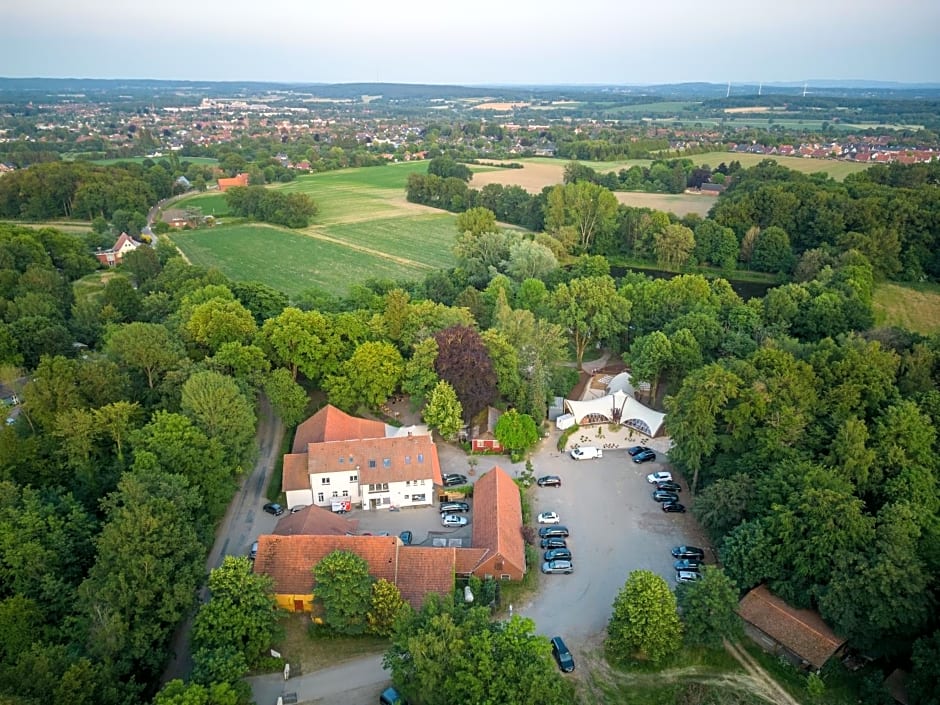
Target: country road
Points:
(243, 521)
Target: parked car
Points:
(636, 450)
(586, 453)
(553, 542)
(453, 520)
(562, 655)
(688, 552)
(549, 518)
(297, 508)
(644, 456)
(687, 564)
(549, 531)
(454, 479)
(661, 476)
(454, 507)
(674, 507)
(557, 567)
(390, 696)
(273, 508)
(557, 554)
(669, 486)
(665, 496)
(253, 551)
(687, 576)
(406, 537)
(549, 481)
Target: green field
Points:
(140, 160)
(915, 307)
(664, 108)
(213, 203)
(365, 229)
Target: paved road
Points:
(243, 521)
(356, 682)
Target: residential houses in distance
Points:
(113, 256)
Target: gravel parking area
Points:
(616, 528)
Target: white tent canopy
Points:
(618, 407)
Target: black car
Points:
(674, 507)
(454, 507)
(553, 542)
(669, 486)
(636, 450)
(454, 480)
(644, 456)
(549, 481)
(557, 554)
(688, 552)
(556, 530)
(273, 508)
(665, 496)
(562, 655)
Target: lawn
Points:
(915, 307)
(307, 654)
(211, 203)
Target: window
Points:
(420, 457)
(407, 497)
(345, 493)
(505, 576)
(407, 483)
(418, 498)
(342, 460)
(371, 463)
(324, 480)
(354, 478)
(350, 460)
(407, 460)
(320, 497)
(335, 493)
(386, 462)
(386, 500)
(421, 481)
(380, 487)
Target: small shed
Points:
(484, 432)
(800, 635)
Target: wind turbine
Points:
(728, 94)
(760, 88)
(804, 89)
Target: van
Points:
(390, 696)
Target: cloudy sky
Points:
(483, 41)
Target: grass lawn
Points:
(211, 203)
(293, 261)
(915, 307)
(311, 654)
(93, 284)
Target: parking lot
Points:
(615, 528)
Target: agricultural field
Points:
(915, 307)
(679, 203)
(211, 203)
(365, 229)
(140, 160)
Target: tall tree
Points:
(147, 347)
(709, 608)
(464, 363)
(591, 310)
(369, 377)
(516, 432)
(673, 247)
(287, 397)
(344, 590)
(217, 406)
(588, 208)
(443, 410)
(644, 623)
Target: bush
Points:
(563, 439)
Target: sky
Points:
(478, 42)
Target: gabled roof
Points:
(802, 632)
(295, 475)
(315, 520)
(331, 424)
(378, 460)
(497, 521)
(416, 570)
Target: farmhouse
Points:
(337, 456)
(112, 257)
(800, 635)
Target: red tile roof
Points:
(408, 458)
(295, 475)
(240, 180)
(290, 560)
(801, 631)
(468, 558)
(497, 520)
(331, 424)
(316, 520)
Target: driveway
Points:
(616, 528)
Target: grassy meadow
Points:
(365, 229)
(915, 307)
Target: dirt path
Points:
(239, 513)
(767, 687)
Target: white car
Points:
(586, 453)
(549, 518)
(661, 476)
(453, 520)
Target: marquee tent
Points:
(618, 407)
